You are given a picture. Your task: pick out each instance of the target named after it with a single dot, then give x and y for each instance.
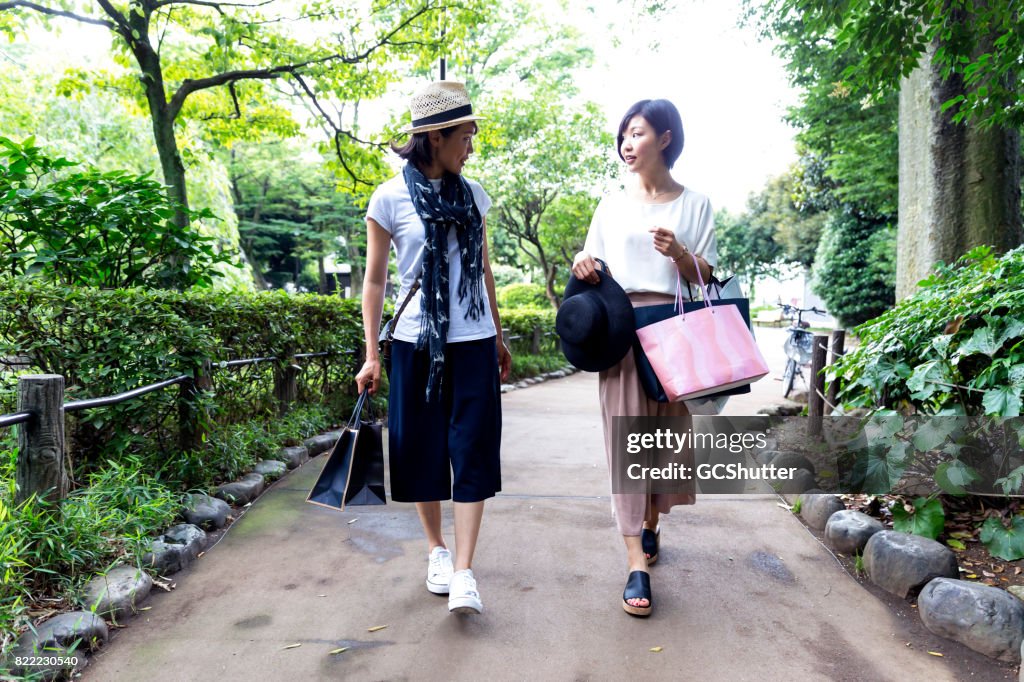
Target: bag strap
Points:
(705, 289)
(412, 292)
(355, 421)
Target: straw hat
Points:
(440, 105)
(595, 323)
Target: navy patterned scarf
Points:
(452, 207)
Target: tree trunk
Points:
(959, 185)
(549, 285)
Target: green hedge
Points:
(109, 341)
(956, 345)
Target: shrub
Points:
(854, 270)
(522, 295)
(956, 344)
(89, 228)
(106, 342)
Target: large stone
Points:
(56, 637)
(787, 409)
(175, 549)
(817, 509)
(792, 460)
(848, 531)
(205, 511)
(984, 618)
(321, 443)
(295, 456)
(242, 491)
(118, 593)
(901, 564)
(271, 469)
(802, 481)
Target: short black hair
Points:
(417, 150)
(662, 115)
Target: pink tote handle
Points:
(705, 291)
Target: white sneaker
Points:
(439, 570)
(463, 597)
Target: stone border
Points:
(565, 371)
(119, 594)
(989, 620)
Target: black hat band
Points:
(450, 115)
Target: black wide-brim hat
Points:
(595, 323)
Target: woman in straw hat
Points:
(647, 234)
(444, 411)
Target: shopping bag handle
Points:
(355, 421)
(705, 290)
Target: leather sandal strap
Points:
(638, 586)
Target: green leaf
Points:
(956, 544)
(933, 432)
(927, 519)
(954, 475)
(1011, 483)
(1003, 401)
(1002, 542)
(983, 341)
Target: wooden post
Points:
(835, 352)
(286, 386)
(191, 415)
(40, 468)
(535, 341)
(816, 386)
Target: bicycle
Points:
(798, 345)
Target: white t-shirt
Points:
(619, 235)
(392, 208)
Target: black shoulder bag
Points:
(387, 332)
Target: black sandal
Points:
(650, 540)
(638, 586)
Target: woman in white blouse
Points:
(646, 235)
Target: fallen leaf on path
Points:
(988, 574)
(998, 569)
(1016, 571)
(656, 649)
(145, 608)
(971, 576)
(936, 653)
(293, 646)
(956, 544)
(352, 521)
(375, 628)
(339, 651)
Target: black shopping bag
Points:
(354, 471)
(650, 314)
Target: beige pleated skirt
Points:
(622, 395)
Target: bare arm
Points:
(378, 244)
(504, 355)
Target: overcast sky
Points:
(730, 90)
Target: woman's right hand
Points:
(584, 267)
(369, 376)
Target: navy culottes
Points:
(450, 447)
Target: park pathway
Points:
(742, 590)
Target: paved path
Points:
(742, 590)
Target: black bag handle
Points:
(355, 421)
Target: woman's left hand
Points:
(504, 360)
(665, 243)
